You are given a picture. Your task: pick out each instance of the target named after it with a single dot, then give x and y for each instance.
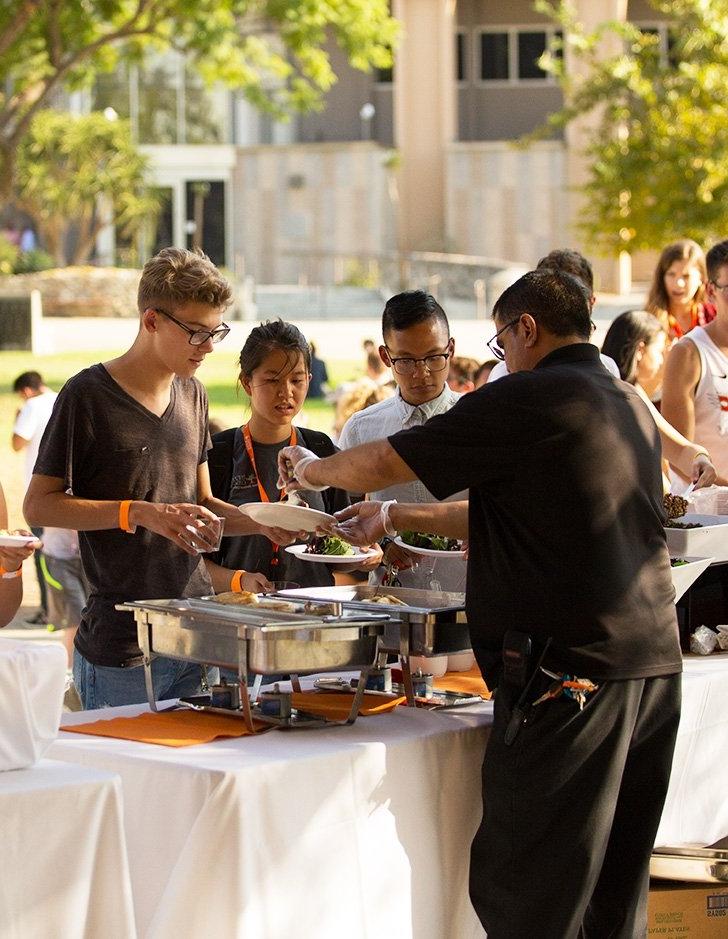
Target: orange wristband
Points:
(236, 582)
(9, 575)
(124, 516)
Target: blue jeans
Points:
(101, 686)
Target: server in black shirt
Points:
(569, 582)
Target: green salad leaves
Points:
(329, 544)
(420, 539)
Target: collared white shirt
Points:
(379, 421)
(387, 417)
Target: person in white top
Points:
(695, 386)
(30, 422)
(417, 347)
(33, 415)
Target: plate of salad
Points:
(329, 549)
(437, 546)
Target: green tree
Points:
(273, 50)
(658, 154)
(70, 169)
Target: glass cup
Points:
(211, 532)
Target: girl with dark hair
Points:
(274, 373)
(636, 341)
(677, 293)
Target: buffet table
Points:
(364, 828)
(64, 864)
(696, 808)
(368, 826)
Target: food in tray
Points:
(675, 506)
(246, 598)
(419, 539)
(387, 598)
(231, 598)
(678, 562)
(329, 544)
(671, 523)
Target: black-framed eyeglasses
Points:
(404, 365)
(722, 287)
(198, 337)
(495, 346)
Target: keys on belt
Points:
(563, 685)
(567, 685)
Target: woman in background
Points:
(677, 294)
(636, 341)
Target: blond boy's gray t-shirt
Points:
(106, 445)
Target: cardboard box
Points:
(677, 910)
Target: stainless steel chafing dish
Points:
(258, 640)
(435, 619)
(431, 622)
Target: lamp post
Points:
(366, 115)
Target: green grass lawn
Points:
(227, 404)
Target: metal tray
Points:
(436, 619)
(691, 863)
(207, 632)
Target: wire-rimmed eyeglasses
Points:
(495, 346)
(198, 337)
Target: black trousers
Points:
(571, 810)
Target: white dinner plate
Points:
(430, 552)
(290, 517)
(299, 550)
(16, 541)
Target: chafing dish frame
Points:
(423, 614)
(243, 634)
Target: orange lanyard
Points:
(251, 456)
(261, 488)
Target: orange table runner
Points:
(336, 706)
(170, 728)
(470, 682)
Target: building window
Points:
(665, 46)
(166, 102)
(461, 57)
(531, 46)
(494, 57)
(511, 55)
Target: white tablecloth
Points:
(361, 831)
(696, 808)
(64, 870)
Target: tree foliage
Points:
(658, 155)
(68, 168)
(274, 51)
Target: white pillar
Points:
(424, 117)
(611, 274)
